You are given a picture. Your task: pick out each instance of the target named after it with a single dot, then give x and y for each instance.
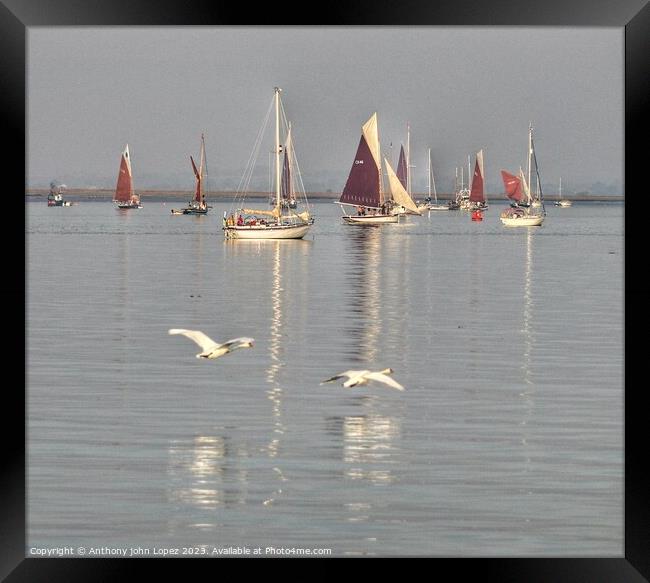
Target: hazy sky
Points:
(91, 90)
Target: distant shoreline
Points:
(84, 193)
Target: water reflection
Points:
(196, 466)
(473, 348)
(284, 258)
(120, 308)
(197, 290)
(203, 474)
(275, 393)
(397, 309)
(363, 288)
(368, 445)
(528, 393)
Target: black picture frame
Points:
(634, 15)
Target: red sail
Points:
(124, 188)
(401, 168)
(512, 185)
(476, 194)
(362, 187)
(198, 193)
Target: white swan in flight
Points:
(361, 377)
(210, 348)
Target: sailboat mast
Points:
(530, 152)
(469, 170)
(201, 164)
(560, 193)
(429, 173)
(289, 146)
(277, 148)
(408, 157)
(128, 165)
(433, 178)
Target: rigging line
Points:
(302, 186)
(244, 182)
(539, 180)
(294, 158)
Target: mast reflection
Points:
(529, 386)
(277, 254)
(275, 392)
(364, 293)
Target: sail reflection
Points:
(198, 308)
(202, 473)
(397, 310)
(473, 349)
(120, 307)
(369, 445)
(364, 293)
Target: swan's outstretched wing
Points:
(238, 341)
(347, 373)
(205, 342)
(382, 378)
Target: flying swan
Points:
(361, 377)
(210, 348)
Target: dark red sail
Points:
(362, 186)
(198, 195)
(476, 194)
(285, 183)
(124, 188)
(401, 168)
(512, 186)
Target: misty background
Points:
(91, 90)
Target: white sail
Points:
(479, 158)
(398, 192)
(128, 160)
(525, 185)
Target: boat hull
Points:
(438, 207)
(534, 221)
(128, 205)
(564, 203)
(266, 231)
(370, 219)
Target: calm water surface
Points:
(507, 441)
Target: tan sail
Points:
(398, 192)
(272, 213)
(370, 132)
